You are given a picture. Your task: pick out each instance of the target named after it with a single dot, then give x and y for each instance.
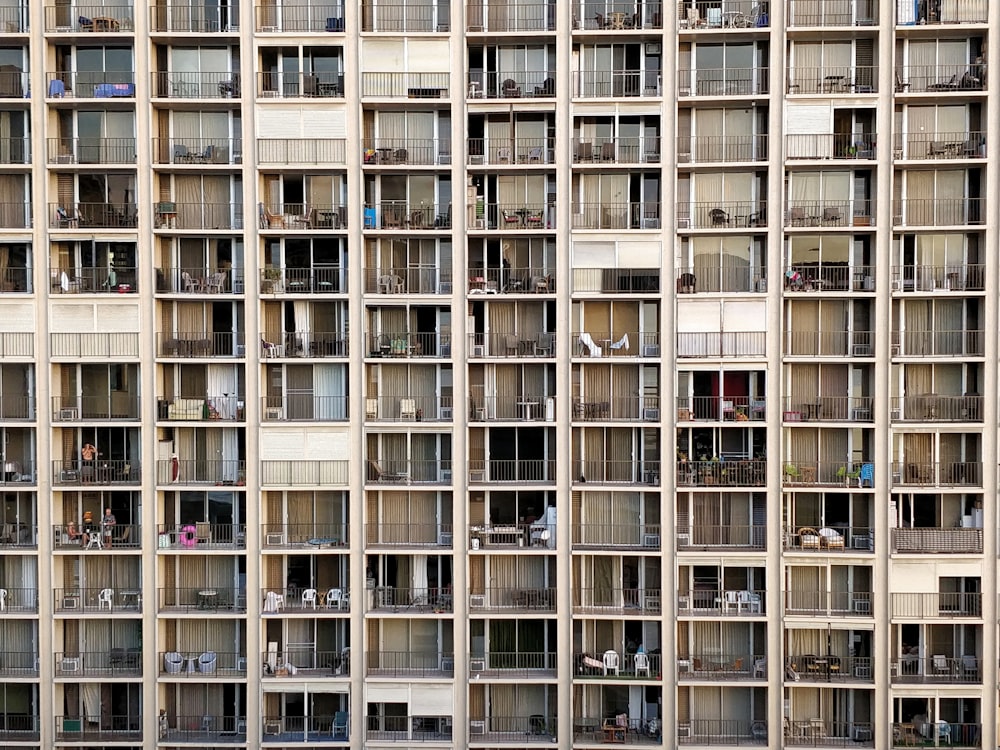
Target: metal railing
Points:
(197, 151)
(84, 727)
(937, 669)
(616, 409)
(728, 535)
(305, 728)
(931, 278)
(937, 540)
(514, 345)
(505, 216)
(833, 79)
(228, 472)
(85, 215)
(642, 536)
(14, 20)
(408, 472)
(293, 473)
(292, 85)
(842, 473)
(509, 665)
(404, 216)
(650, 667)
(125, 535)
(425, 600)
(937, 474)
(738, 473)
(199, 663)
(721, 82)
(713, 149)
(412, 344)
(118, 662)
(728, 602)
(310, 151)
(937, 343)
(90, 150)
(205, 729)
(426, 279)
(505, 599)
(822, 13)
(171, 215)
(399, 151)
(90, 279)
(840, 539)
(605, 471)
(504, 470)
(828, 277)
(302, 216)
(505, 151)
(721, 409)
(172, 84)
(88, 600)
(602, 84)
(937, 733)
(199, 280)
(405, 85)
(722, 732)
(712, 344)
(16, 280)
(99, 472)
(828, 668)
(410, 664)
(628, 215)
(720, 665)
(719, 278)
(409, 408)
(201, 536)
(299, 663)
(620, 150)
(951, 77)
(21, 600)
(830, 146)
(721, 214)
(292, 598)
(405, 17)
(203, 18)
(939, 605)
(830, 213)
(501, 535)
(936, 212)
(19, 664)
(499, 17)
(511, 84)
(187, 344)
(18, 535)
(408, 535)
(937, 408)
(206, 598)
(90, 84)
(15, 150)
(527, 280)
(830, 408)
(17, 408)
(616, 600)
(301, 17)
(302, 534)
(617, 343)
(311, 344)
(940, 145)
(815, 733)
(614, 15)
(830, 343)
(304, 408)
(23, 344)
(829, 603)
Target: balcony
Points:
(70, 538)
(616, 409)
(406, 17)
(831, 213)
(411, 600)
(961, 145)
(18, 474)
(228, 406)
(17, 408)
(498, 600)
(722, 732)
(956, 343)
(72, 473)
(909, 473)
(400, 730)
(829, 603)
(303, 535)
(816, 732)
(605, 84)
(304, 408)
(16, 280)
(512, 345)
(18, 536)
(503, 471)
(415, 664)
(118, 662)
(297, 729)
(201, 536)
(629, 666)
(310, 344)
(833, 80)
(719, 149)
(618, 16)
(722, 82)
(830, 277)
(90, 150)
(499, 152)
(307, 17)
(400, 215)
(721, 409)
(514, 216)
(199, 280)
(521, 84)
(507, 536)
(405, 85)
(292, 85)
(430, 344)
(197, 151)
(117, 405)
(620, 150)
(93, 280)
(204, 19)
(829, 344)
(90, 84)
(955, 735)
(721, 344)
(89, 600)
(721, 215)
(420, 279)
(963, 78)
(201, 665)
(824, 14)
(98, 728)
(492, 16)
(411, 409)
(21, 601)
(704, 537)
(195, 85)
(410, 151)
(301, 151)
(295, 600)
(19, 664)
(926, 278)
(515, 280)
(14, 84)
(14, 19)
(831, 473)
(303, 473)
(92, 216)
(629, 215)
(620, 536)
(188, 344)
(185, 216)
(936, 670)
(829, 409)
(826, 540)
(602, 471)
(938, 212)
(302, 216)
(393, 535)
(936, 606)
(720, 666)
(616, 601)
(712, 278)
(598, 731)
(828, 668)
(961, 541)
(705, 602)
(225, 472)
(304, 663)
(937, 408)
(205, 729)
(830, 146)
(88, 17)
(201, 600)
(734, 473)
(409, 472)
(618, 345)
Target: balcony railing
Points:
(91, 150)
(937, 212)
(831, 213)
(399, 151)
(616, 409)
(117, 280)
(829, 277)
(836, 473)
(405, 216)
(292, 85)
(617, 344)
(834, 79)
(941, 605)
(226, 472)
(89, 216)
(713, 278)
(18, 472)
(504, 216)
(187, 344)
(301, 17)
(426, 279)
(302, 216)
(171, 215)
(721, 215)
(416, 600)
(408, 535)
(410, 664)
(201, 536)
(409, 409)
(493, 16)
(814, 733)
(228, 406)
(938, 669)
(616, 600)
(17, 408)
(940, 79)
(88, 600)
(15, 150)
(714, 344)
(721, 409)
(947, 11)
(937, 474)
(722, 732)
(504, 599)
(931, 733)
(731, 473)
(500, 535)
(721, 666)
(303, 728)
(515, 345)
(22, 600)
(829, 409)
(204, 18)
(202, 664)
(823, 13)
(287, 535)
(402, 344)
(205, 729)
(18, 535)
(511, 84)
(934, 540)
(957, 343)
(728, 535)
(292, 473)
(207, 598)
(830, 146)
(309, 344)
(629, 215)
(90, 84)
(500, 152)
(405, 85)
(307, 151)
(615, 535)
(509, 665)
(731, 602)
(98, 727)
(71, 538)
(19, 664)
(516, 280)
(197, 151)
(512, 729)
(825, 540)
(119, 405)
(21, 344)
(16, 280)
(400, 730)
(505, 470)
(613, 15)
(828, 668)
(621, 150)
(173, 84)
(118, 662)
(830, 343)
(829, 603)
(304, 408)
(409, 472)
(722, 82)
(405, 16)
(927, 278)
(605, 471)
(937, 408)
(306, 663)
(327, 599)
(585, 666)
(99, 472)
(714, 149)
(14, 19)
(199, 280)
(603, 84)
(940, 145)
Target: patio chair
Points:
(641, 661)
(585, 151)
(610, 661)
(339, 727)
(378, 475)
(408, 409)
(207, 662)
(189, 283)
(719, 217)
(172, 662)
(503, 154)
(608, 151)
(543, 344)
(808, 538)
(335, 599)
(510, 90)
(309, 597)
(941, 666)
(216, 282)
(106, 596)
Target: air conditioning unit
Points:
(477, 726)
(445, 539)
(651, 415)
(71, 665)
(862, 606)
(446, 413)
(272, 413)
(69, 414)
(477, 601)
(478, 350)
(651, 350)
(651, 540)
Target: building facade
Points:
(419, 373)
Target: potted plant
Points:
(271, 281)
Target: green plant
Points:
(271, 273)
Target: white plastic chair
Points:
(309, 598)
(105, 597)
(611, 661)
(641, 664)
(335, 597)
(3, 600)
(207, 661)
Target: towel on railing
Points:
(588, 342)
(621, 344)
